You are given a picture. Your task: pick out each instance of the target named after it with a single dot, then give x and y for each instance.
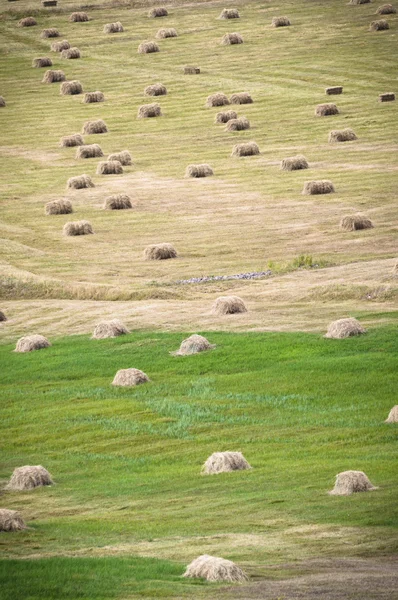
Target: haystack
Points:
(241, 98)
(230, 39)
(342, 135)
(11, 520)
(218, 99)
(148, 47)
(89, 151)
(198, 171)
(333, 91)
(225, 462)
(94, 127)
(71, 88)
(71, 53)
(59, 207)
(2, 316)
(294, 163)
(59, 46)
(79, 182)
(355, 222)
(118, 202)
(158, 11)
(27, 22)
(162, 34)
(39, 63)
(191, 70)
(2, 101)
(245, 149)
(393, 415)
(49, 33)
(351, 482)
(387, 97)
(381, 25)
(109, 167)
(214, 568)
(77, 228)
(280, 22)
(324, 110)
(229, 13)
(31, 342)
(92, 97)
(79, 17)
(229, 305)
(113, 27)
(129, 377)
(109, 329)
(149, 110)
(386, 9)
(224, 117)
(123, 157)
(68, 141)
(29, 477)
(318, 187)
(238, 124)
(47, 3)
(157, 89)
(359, 2)
(344, 328)
(160, 252)
(192, 345)
(53, 77)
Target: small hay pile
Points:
(39, 63)
(31, 342)
(79, 182)
(77, 228)
(71, 88)
(68, 141)
(225, 462)
(355, 222)
(123, 157)
(160, 252)
(59, 46)
(214, 568)
(387, 97)
(294, 163)
(342, 135)
(359, 2)
(129, 377)
(109, 167)
(51, 76)
(344, 328)
(71, 53)
(92, 97)
(94, 127)
(58, 207)
(224, 117)
(157, 89)
(229, 39)
(193, 345)
(109, 329)
(2, 317)
(191, 70)
(78, 17)
(158, 11)
(241, 98)
(333, 91)
(148, 47)
(229, 13)
(318, 187)
(238, 124)
(47, 3)
(147, 111)
(2, 102)
(49, 33)
(113, 27)
(229, 305)
(381, 25)
(218, 99)
(29, 477)
(245, 149)
(11, 520)
(162, 34)
(351, 482)
(89, 151)
(27, 22)
(198, 171)
(280, 22)
(386, 9)
(324, 110)
(393, 415)
(118, 202)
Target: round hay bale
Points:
(38, 63)
(118, 202)
(245, 149)
(113, 27)
(342, 135)
(71, 53)
(158, 11)
(147, 111)
(351, 482)
(229, 305)
(129, 378)
(193, 345)
(229, 13)
(53, 76)
(157, 89)
(344, 328)
(280, 22)
(191, 70)
(241, 98)
(58, 207)
(229, 39)
(79, 182)
(393, 415)
(59, 46)
(324, 110)
(355, 222)
(31, 342)
(333, 91)
(381, 25)
(29, 477)
(166, 33)
(109, 329)
(387, 97)
(123, 157)
(73, 228)
(294, 163)
(71, 88)
(238, 124)
(2, 317)
(217, 99)
(68, 141)
(89, 151)
(318, 187)
(109, 167)
(27, 22)
(386, 9)
(11, 520)
(214, 568)
(2, 102)
(92, 97)
(225, 462)
(224, 117)
(79, 17)
(160, 252)
(198, 171)
(148, 47)
(94, 127)
(49, 33)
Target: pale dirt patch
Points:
(34, 155)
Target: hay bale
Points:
(351, 482)
(218, 99)
(129, 378)
(27, 22)
(113, 27)
(49, 33)
(118, 202)
(381, 25)
(160, 252)
(342, 135)
(89, 151)
(386, 9)
(148, 47)
(39, 63)
(191, 70)
(392, 415)
(157, 89)
(59, 46)
(344, 328)
(229, 39)
(238, 124)
(52, 76)
(71, 53)
(359, 2)
(109, 329)
(224, 117)
(294, 163)
(47, 3)
(198, 171)
(333, 91)
(29, 477)
(241, 98)
(123, 157)
(324, 110)
(91, 97)
(355, 222)
(387, 97)
(94, 127)
(109, 167)
(214, 568)
(318, 187)
(79, 17)
(68, 141)
(225, 462)
(11, 520)
(280, 22)
(79, 182)
(162, 34)
(158, 11)
(31, 342)
(245, 149)
(71, 88)
(59, 207)
(2, 101)
(147, 111)
(229, 305)
(229, 13)
(2, 317)
(193, 345)
(73, 228)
